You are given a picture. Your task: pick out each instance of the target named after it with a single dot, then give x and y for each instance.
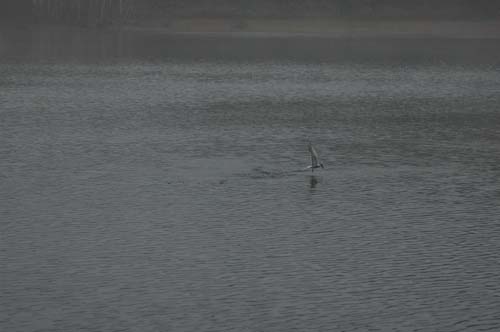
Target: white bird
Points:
(314, 159)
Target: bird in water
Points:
(314, 159)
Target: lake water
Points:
(155, 182)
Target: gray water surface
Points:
(167, 193)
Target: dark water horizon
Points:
(153, 183)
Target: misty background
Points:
(86, 11)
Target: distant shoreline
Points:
(298, 27)
(321, 27)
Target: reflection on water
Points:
(143, 189)
(313, 181)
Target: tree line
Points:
(328, 8)
(96, 12)
(83, 12)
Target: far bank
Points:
(334, 27)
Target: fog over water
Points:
(155, 182)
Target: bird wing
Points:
(314, 156)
